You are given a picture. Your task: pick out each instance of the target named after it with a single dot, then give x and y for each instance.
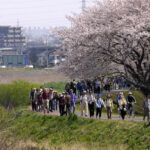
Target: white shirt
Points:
(91, 99)
(84, 99)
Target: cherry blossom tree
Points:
(112, 33)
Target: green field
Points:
(55, 132)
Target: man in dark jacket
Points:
(61, 104)
(68, 103)
(32, 98)
(130, 104)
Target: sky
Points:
(39, 13)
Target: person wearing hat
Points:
(109, 106)
(32, 99)
(73, 100)
(99, 106)
(130, 104)
(55, 99)
(40, 100)
(84, 104)
(45, 100)
(68, 103)
(61, 104)
(122, 106)
(118, 100)
(51, 100)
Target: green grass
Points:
(94, 133)
(59, 86)
(16, 93)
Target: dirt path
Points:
(114, 117)
(104, 116)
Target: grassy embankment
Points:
(62, 132)
(53, 132)
(17, 93)
(32, 131)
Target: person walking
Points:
(146, 108)
(84, 104)
(122, 106)
(118, 101)
(40, 100)
(130, 104)
(36, 98)
(32, 99)
(51, 100)
(79, 89)
(61, 104)
(68, 103)
(55, 99)
(67, 87)
(91, 103)
(109, 106)
(45, 100)
(73, 100)
(99, 106)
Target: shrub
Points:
(16, 93)
(59, 86)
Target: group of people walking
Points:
(47, 100)
(97, 85)
(124, 105)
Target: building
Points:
(15, 60)
(55, 59)
(11, 37)
(7, 51)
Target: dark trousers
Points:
(109, 111)
(61, 110)
(91, 109)
(98, 112)
(56, 105)
(33, 106)
(68, 109)
(123, 113)
(50, 105)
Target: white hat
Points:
(130, 93)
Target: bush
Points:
(16, 93)
(59, 86)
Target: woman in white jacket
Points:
(84, 104)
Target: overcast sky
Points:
(42, 13)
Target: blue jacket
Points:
(73, 98)
(99, 103)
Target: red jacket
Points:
(45, 95)
(61, 101)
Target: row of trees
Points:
(112, 35)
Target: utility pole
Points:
(83, 4)
(47, 51)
